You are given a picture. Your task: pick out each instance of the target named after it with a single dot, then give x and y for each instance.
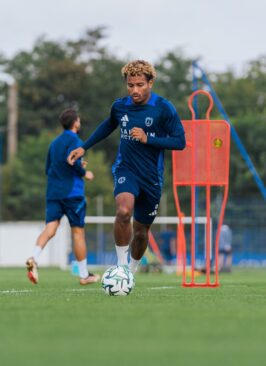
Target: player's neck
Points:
(143, 102)
(74, 130)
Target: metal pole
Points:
(12, 122)
(100, 238)
(163, 210)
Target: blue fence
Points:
(246, 218)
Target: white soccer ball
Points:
(118, 281)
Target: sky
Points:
(224, 34)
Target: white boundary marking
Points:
(158, 220)
(20, 292)
(13, 291)
(82, 289)
(158, 288)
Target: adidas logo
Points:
(154, 213)
(124, 120)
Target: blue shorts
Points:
(74, 208)
(147, 194)
(226, 250)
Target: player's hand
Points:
(89, 175)
(84, 163)
(74, 155)
(138, 133)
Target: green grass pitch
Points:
(58, 322)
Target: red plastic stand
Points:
(203, 163)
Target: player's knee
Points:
(123, 214)
(78, 234)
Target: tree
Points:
(24, 185)
(55, 75)
(251, 130)
(83, 74)
(174, 80)
(24, 180)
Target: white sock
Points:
(83, 269)
(36, 252)
(133, 264)
(122, 255)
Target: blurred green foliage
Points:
(83, 74)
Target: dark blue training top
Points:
(162, 125)
(64, 180)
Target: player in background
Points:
(225, 249)
(65, 196)
(148, 124)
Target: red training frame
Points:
(203, 162)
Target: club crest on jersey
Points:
(124, 120)
(121, 180)
(148, 121)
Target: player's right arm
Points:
(74, 155)
(101, 132)
(48, 162)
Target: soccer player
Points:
(65, 196)
(225, 249)
(148, 124)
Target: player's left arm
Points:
(79, 168)
(172, 126)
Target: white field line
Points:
(158, 288)
(19, 292)
(13, 291)
(96, 289)
(82, 289)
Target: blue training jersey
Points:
(64, 180)
(162, 125)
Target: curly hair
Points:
(137, 68)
